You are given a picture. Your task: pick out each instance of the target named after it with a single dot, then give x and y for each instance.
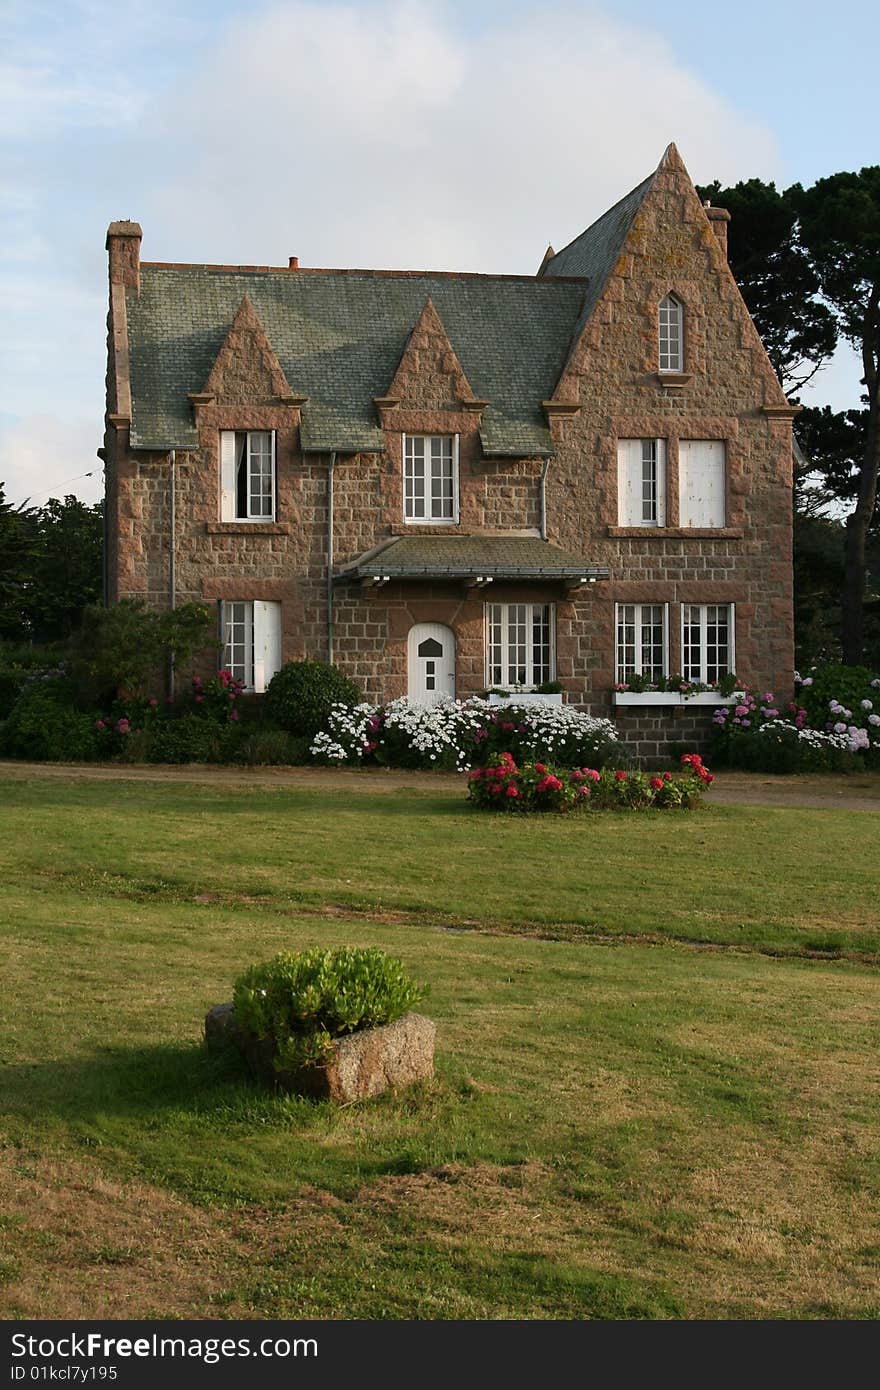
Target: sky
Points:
(376, 133)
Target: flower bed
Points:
(504, 786)
(819, 732)
(463, 733)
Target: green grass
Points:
(776, 880)
(622, 1124)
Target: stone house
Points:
(445, 483)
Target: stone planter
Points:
(361, 1065)
(530, 697)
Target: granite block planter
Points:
(361, 1064)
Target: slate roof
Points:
(464, 557)
(339, 336)
(594, 253)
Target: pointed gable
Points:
(658, 241)
(246, 370)
(429, 375)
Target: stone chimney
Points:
(124, 244)
(719, 217)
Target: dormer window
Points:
(430, 477)
(671, 335)
(247, 475)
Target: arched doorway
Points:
(431, 651)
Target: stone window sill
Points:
(674, 381)
(424, 528)
(246, 528)
(693, 533)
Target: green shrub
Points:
(847, 685)
(43, 727)
(558, 733)
(300, 696)
(189, 739)
(271, 747)
(783, 748)
(296, 1004)
(127, 647)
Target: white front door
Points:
(431, 649)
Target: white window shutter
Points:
(267, 642)
(227, 475)
(661, 482)
(223, 635)
(629, 482)
(701, 474)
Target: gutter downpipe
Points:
(331, 465)
(544, 471)
(172, 557)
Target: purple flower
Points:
(840, 727)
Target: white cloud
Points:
(375, 133)
(383, 135)
(43, 456)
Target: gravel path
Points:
(859, 792)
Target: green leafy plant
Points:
(301, 695)
(833, 685)
(296, 1004)
(43, 726)
(125, 649)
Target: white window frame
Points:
(499, 621)
(695, 514)
(229, 444)
(700, 670)
(633, 457)
(430, 518)
(638, 643)
(259, 641)
(670, 344)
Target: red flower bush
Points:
(537, 787)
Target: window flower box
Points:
(527, 697)
(672, 697)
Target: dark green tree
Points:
(17, 549)
(808, 265)
(66, 572)
(776, 278)
(839, 220)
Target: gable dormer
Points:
(429, 375)
(246, 370)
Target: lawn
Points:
(656, 1090)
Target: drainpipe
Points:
(172, 557)
(330, 467)
(544, 471)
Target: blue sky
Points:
(380, 132)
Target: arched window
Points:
(671, 334)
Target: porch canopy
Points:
(474, 560)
